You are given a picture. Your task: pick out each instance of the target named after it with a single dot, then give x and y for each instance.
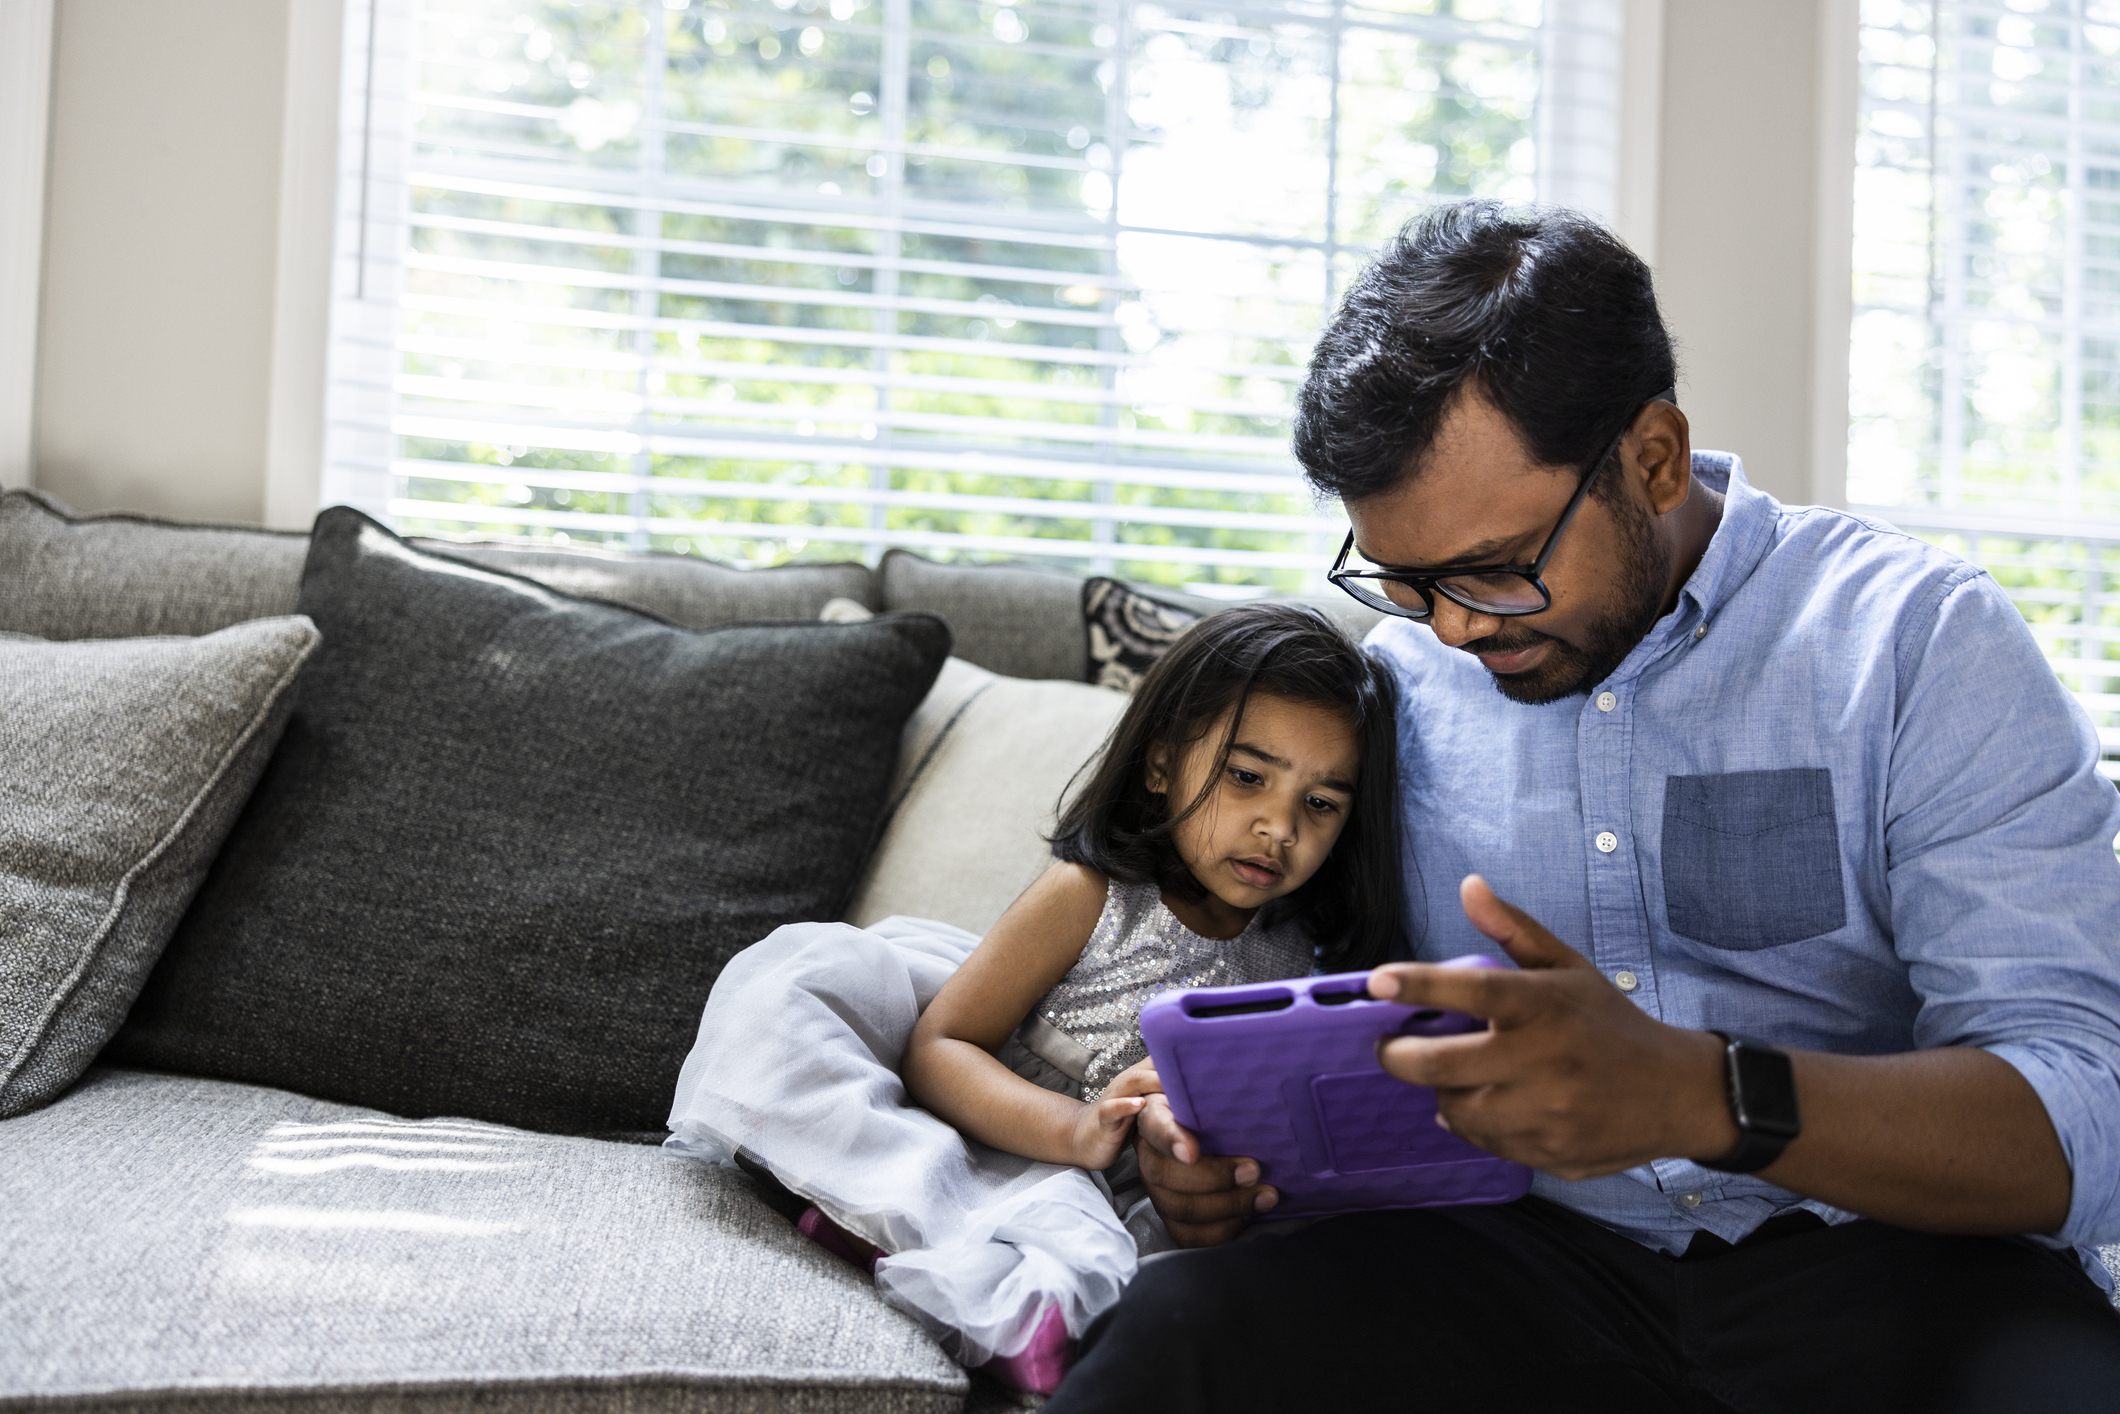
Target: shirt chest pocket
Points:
(1752, 858)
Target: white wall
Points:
(166, 230)
(25, 115)
(161, 230)
(1755, 224)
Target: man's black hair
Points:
(1544, 310)
(1351, 909)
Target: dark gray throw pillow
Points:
(510, 837)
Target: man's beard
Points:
(1567, 671)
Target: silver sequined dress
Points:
(1086, 1029)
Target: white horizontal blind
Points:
(773, 278)
(1986, 354)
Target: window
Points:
(1985, 401)
(762, 279)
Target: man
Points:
(1809, 875)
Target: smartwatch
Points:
(1762, 1092)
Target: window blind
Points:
(764, 279)
(1985, 401)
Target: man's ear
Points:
(1663, 456)
(1156, 776)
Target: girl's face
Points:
(1276, 807)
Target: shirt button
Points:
(1700, 633)
(1626, 981)
(1606, 702)
(1607, 842)
(1689, 1200)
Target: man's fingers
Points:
(1503, 997)
(1445, 1062)
(1214, 1177)
(1189, 1222)
(1160, 1130)
(1523, 937)
(1225, 1205)
(1500, 996)
(1203, 1198)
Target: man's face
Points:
(1480, 499)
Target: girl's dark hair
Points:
(1352, 908)
(1545, 310)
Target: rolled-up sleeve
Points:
(2005, 893)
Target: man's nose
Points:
(1457, 625)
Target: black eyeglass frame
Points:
(1429, 583)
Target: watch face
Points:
(1766, 1091)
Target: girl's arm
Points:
(949, 1064)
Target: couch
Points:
(187, 1242)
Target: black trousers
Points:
(1530, 1307)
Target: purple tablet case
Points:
(1286, 1073)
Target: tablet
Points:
(1286, 1073)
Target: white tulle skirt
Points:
(796, 1067)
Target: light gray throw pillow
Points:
(981, 770)
(126, 762)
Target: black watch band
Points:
(1761, 1086)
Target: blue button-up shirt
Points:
(1834, 800)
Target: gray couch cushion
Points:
(510, 837)
(1021, 623)
(196, 1245)
(1029, 623)
(126, 763)
(121, 576)
(693, 592)
(118, 576)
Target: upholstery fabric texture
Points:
(684, 589)
(191, 1244)
(1023, 623)
(64, 576)
(981, 770)
(510, 837)
(126, 762)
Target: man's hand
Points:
(1572, 1078)
(1203, 1199)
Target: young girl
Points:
(1239, 826)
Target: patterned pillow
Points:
(1128, 631)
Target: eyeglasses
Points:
(1501, 591)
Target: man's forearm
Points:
(1946, 1140)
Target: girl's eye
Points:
(1323, 806)
(1245, 778)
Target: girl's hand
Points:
(1100, 1132)
(1137, 1079)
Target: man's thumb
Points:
(1528, 944)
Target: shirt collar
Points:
(1739, 542)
